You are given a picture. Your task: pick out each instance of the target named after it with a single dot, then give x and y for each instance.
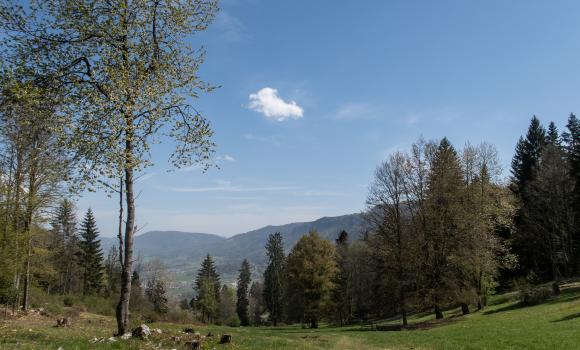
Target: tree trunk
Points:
(28, 228)
(438, 313)
(403, 307)
(26, 293)
(123, 306)
(313, 323)
(464, 308)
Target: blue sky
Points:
(337, 86)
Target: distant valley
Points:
(183, 252)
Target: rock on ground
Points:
(142, 332)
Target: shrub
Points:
(179, 316)
(529, 294)
(233, 321)
(53, 309)
(68, 301)
(150, 316)
(535, 295)
(100, 305)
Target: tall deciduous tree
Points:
(242, 303)
(274, 277)
(257, 305)
(395, 246)
(128, 76)
(156, 293)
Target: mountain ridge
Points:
(183, 252)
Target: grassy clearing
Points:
(552, 325)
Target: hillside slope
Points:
(503, 325)
(182, 252)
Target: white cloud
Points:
(267, 102)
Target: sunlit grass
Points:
(552, 325)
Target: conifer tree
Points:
(242, 304)
(550, 214)
(342, 293)
(207, 287)
(92, 256)
(571, 140)
(311, 271)
(528, 152)
(274, 277)
(552, 136)
(65, 247)
(444, 238)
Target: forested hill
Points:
(184, 251)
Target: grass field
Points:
(552, 325)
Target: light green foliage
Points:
(227, 306)
(311, 270)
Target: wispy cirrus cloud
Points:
(268, 139)
(226, 157)
(230, 27)
(358, 111)
(229, 188)
(272, 106)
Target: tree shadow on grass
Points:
(410, 327)
(510, 307)
(568, 318)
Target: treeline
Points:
(435, 223)
(546, 173)
(443, 230)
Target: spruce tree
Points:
(444, 238)
(342, 292)
(524, 163)
(65, 247)
(274, 277)
(207, 287)
(552, 136)
(243, 303)
(528, 152)
(91, 256)
(571, 140)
